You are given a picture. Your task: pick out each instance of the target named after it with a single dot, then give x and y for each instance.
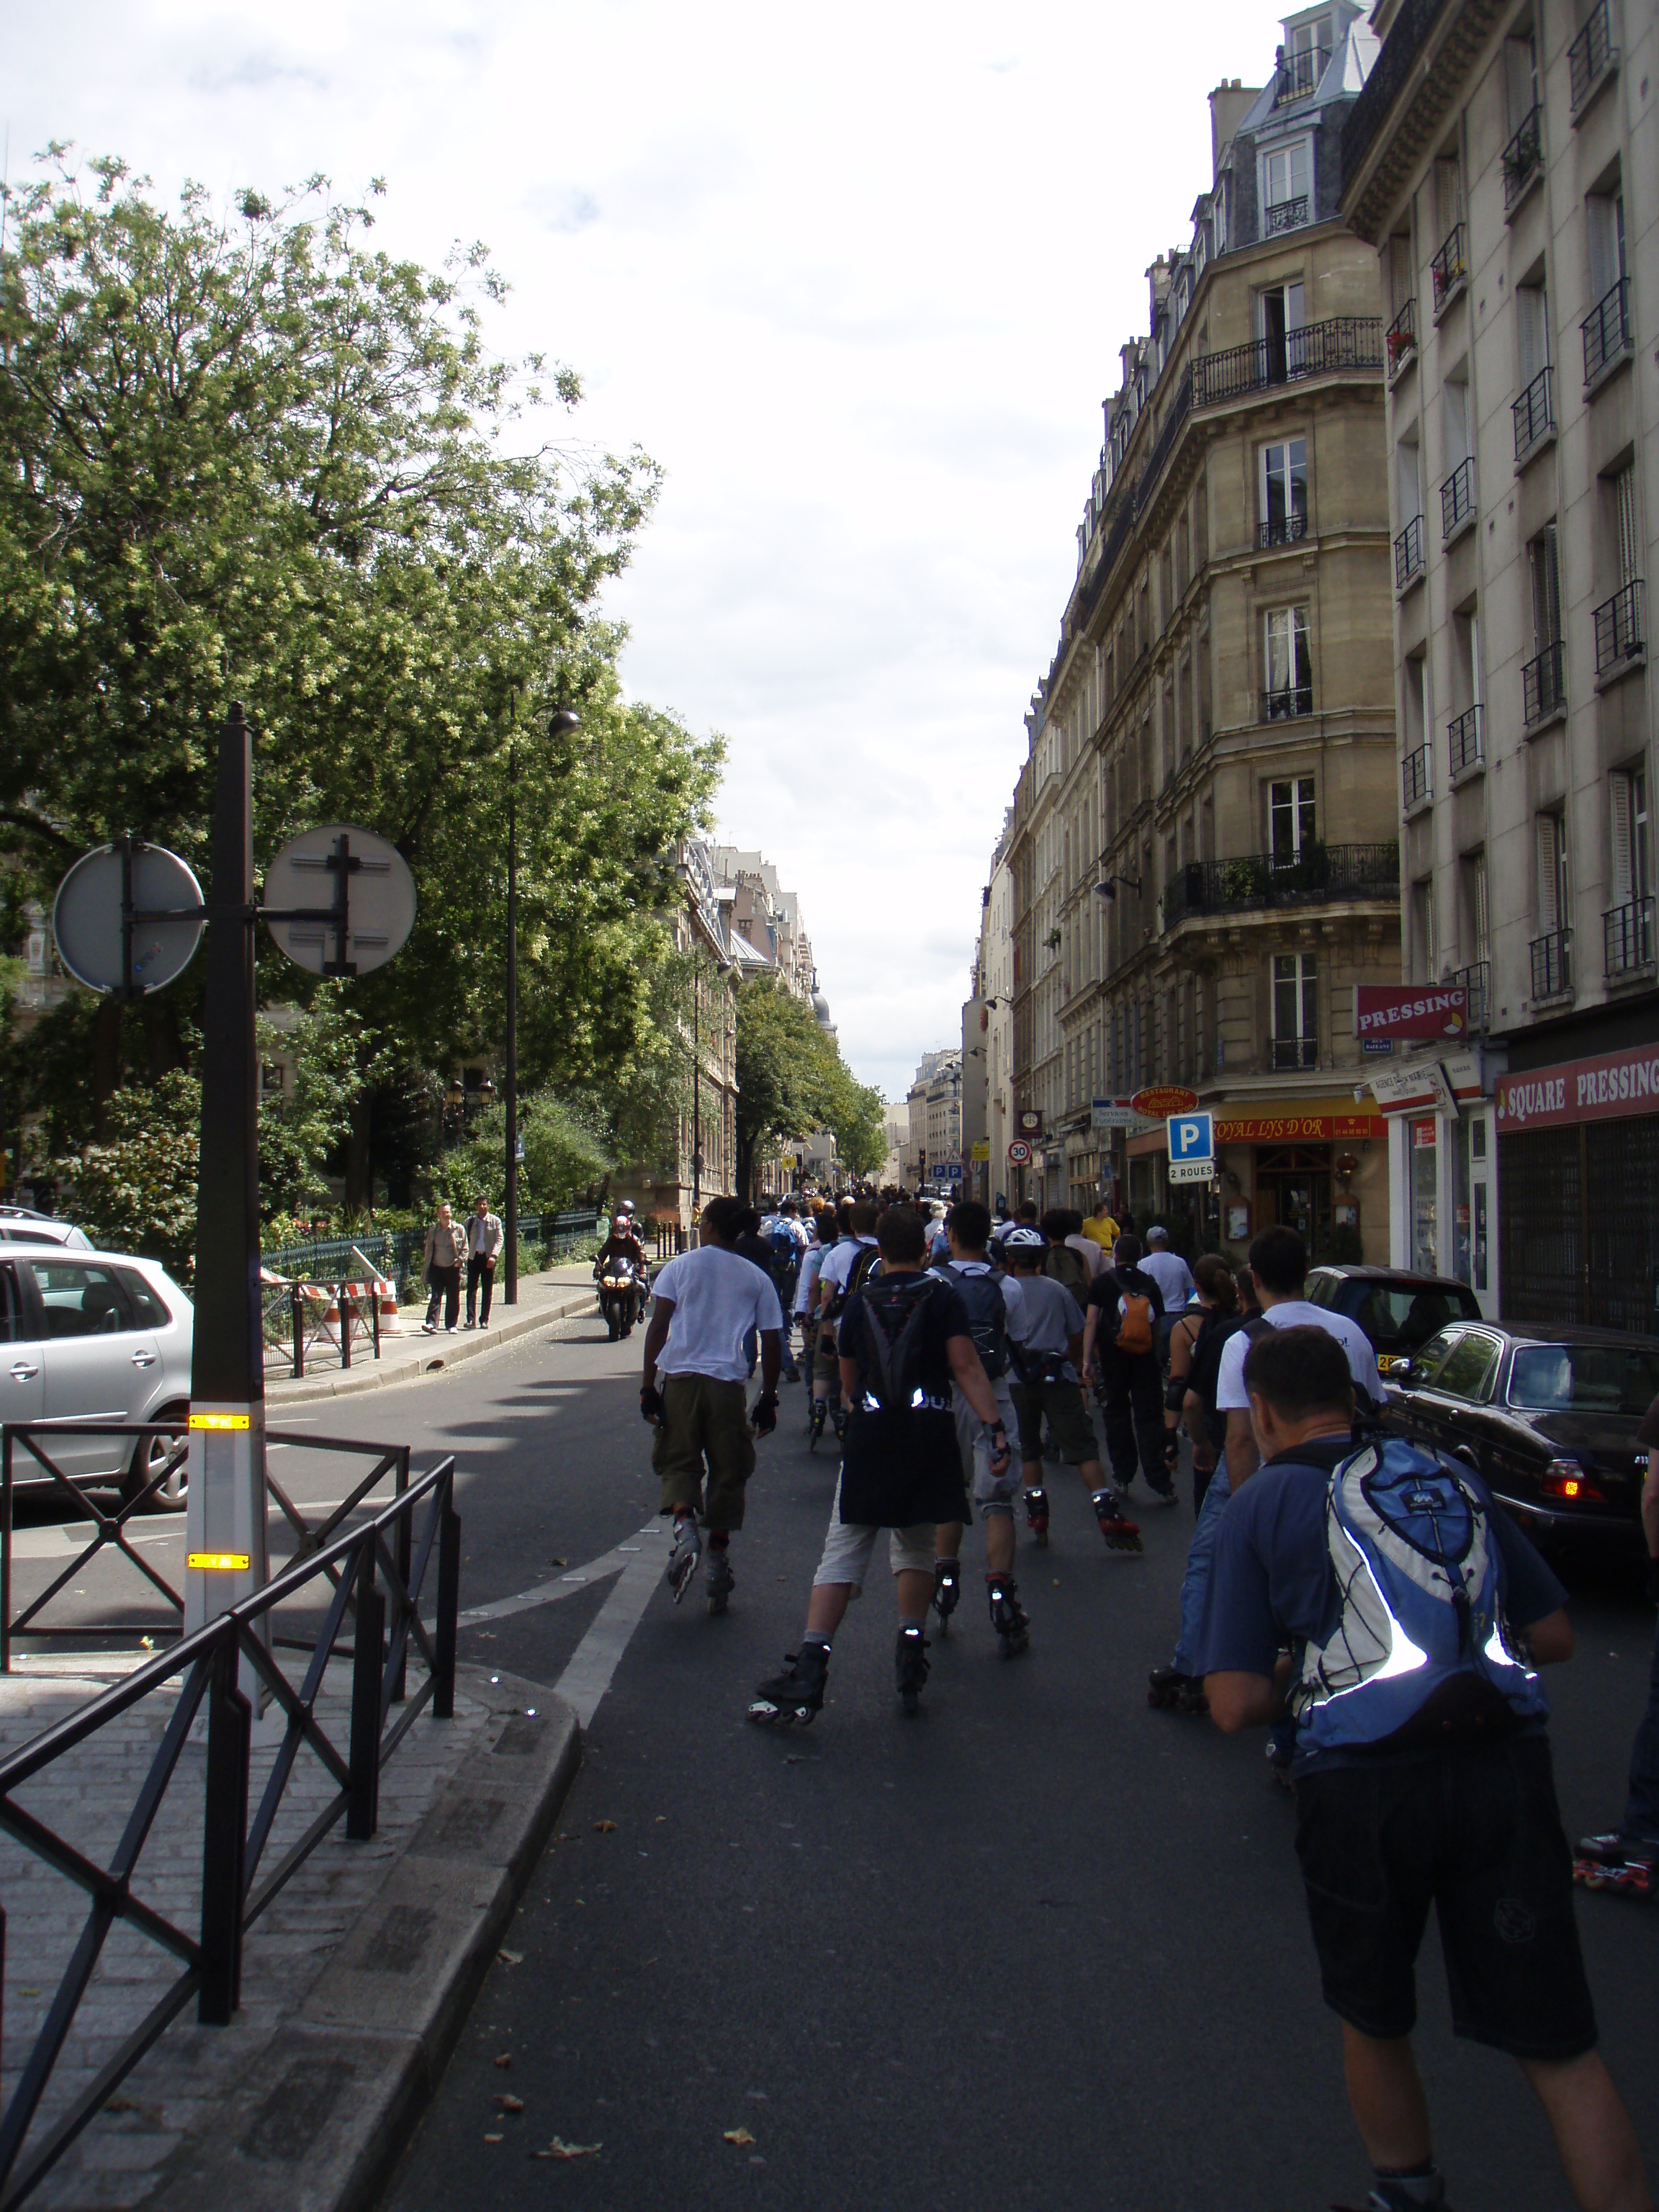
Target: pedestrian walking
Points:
(1120, 1332)
(440, 1270)
(484, 1239)
(1100, 1229)
(1627, 1858)
(694, 1392)
(1167, 1268)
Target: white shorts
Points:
(849, 1549)
(983, 1486)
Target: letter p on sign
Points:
(1192, 1137)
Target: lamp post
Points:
(563, 723)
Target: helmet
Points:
(626, 1207)
(1024, 1239)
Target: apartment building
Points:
(934, 1132)
(1503, 164)
(1205, 859)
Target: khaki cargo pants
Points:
(704, 1420)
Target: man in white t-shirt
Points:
(706, 1301)
(1278, 1264)
(1168, 1270)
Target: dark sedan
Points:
(1398, 1308)
(1547, 1416)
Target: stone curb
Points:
(378, 1377)
(321, 2116)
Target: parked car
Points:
(19, 1225)
(1399, 1310)
(1547, 1416)
(88, 1336)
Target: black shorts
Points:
(1477, 1832)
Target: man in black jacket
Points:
(1131, 1391)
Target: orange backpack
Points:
(1134, 1324)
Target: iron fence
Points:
(1465, 742)
(1402, 337)
(1621, 629)
(1449, 267)
(1416, 777)
(1605, 330)
(1408, 553)
(1457, 497)
(1590, 54)
(1627, 937)
(1282, 530)
(1344, 341)
(1287, 215)
(1533, 414)
(1552, 963)
(1319, 874)
(1476, 980)
(1544, 684)
(1523, 157)
(1299, 74)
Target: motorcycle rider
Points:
(623, 1243)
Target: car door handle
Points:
(23, 1372)
(143, 1359)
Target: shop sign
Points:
(1612, 1086)
(1409, 1090)
(1029, 1121)
(1300, 1129)
(1163, 1099)
(1408, 1011)
(982, 1150)
(1113, 1114)
(1423, 1134)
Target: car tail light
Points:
(1565, 1478)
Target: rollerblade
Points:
(720, 1582)
(839, 1417)
(1164, 1687)
(1626, 1869)
(685, 1558)
(815, 1421)
(910, 1664)
(1121, 1532)
(947, 1591)
(797, 1694)
(1036, 1515)
(1007, 1615)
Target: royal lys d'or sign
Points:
(1613, 1085)
(1162, 1100)
(1407, 1012)
(1306, 1128)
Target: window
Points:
(1544, 564)
(1531, 324)
(1284, 492)
(1551, 971)
(1286, 181)
(1418, 777)
(1296, 1009)
(1625, 550)
(82, 1300)
(1521, 77)
(1290, 819)
(1448, 195)
(1605, 215)
(148, 1309)
(1629, 792)
(1423, 934)
(1467, 1373)
(1280, 317)
(1476, 912)
(1289, 687)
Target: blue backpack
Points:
(1421, 1651)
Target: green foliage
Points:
(564, 1159)
(137, 1192)
(791, 1080)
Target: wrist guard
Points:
(651, 1405)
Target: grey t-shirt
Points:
(1053, 1317)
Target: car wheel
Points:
(149, 1455)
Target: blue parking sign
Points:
(1192, 1138)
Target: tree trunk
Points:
(359, 1159)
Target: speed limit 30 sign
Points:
(1019, 1152)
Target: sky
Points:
(855, 279)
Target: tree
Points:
(792, 1079)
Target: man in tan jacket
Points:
(440, 1270)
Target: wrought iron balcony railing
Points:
(1449, 267)
(1408, 553)
(1605, 330)
(1282, 530)
(1287, 215)
(1523, 157)
(1477, 980)
(1319, 875)
(1552, 965)
(1457, 497)
(1295, 1052)
(1627, 937)
(1416, 777)
(1285, 705)
(1466, 746)
(1314, 349)
(1544, 684)
(1299, 74)
(1590, 52)
(1621, 629)
(1402, 337)
(1534, 413)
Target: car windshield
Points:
(1398, 1316)
(1585, 1378)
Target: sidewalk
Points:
(561, 1294)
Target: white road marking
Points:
(613, 1562)
(597, 1658)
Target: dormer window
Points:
(1286, 176)
(1302, 60)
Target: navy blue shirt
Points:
(1271, 1581)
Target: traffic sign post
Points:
(1019, 1153)
(1192, 1147)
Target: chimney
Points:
(1230, 103)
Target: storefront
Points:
(1319, 1165)
(1443, 1170)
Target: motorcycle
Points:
(622, 1289)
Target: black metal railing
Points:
(1627, 937)
(1408, 553)
(1299, 74)
(1283, 530)
(1476, 980)
(1523, 157)
(306, 1324)
(1605, 330)
(1448, 268)
(1416, 776)
(1285, 704)
(210, 1667)
(1286, 215)
(1590, 54)
(1534, 413)
(1295, 1052)
(1402, 337)
(1621, 627)
(1390, 73)
(1466, 746)
(1544, 684)
(1314, 349)
(395, 1255)
(1318, 875)
(1457, 497)
(1552, 965)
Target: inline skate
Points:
(1036, 1515)
(910, 1665)
(1008, 1617)
(796, 1695)
(1170, 1690)
(719, 1581)
(1121, 1532)
(947, 1591)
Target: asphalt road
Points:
(1039, 1946)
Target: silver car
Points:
(92, 1336)
(18, 1225)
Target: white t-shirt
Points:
(1171, 1274)
(838, 1262)
(1230, 1396)
(1014, 1298)
(717, 1298)
(806, 1281)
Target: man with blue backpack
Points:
(1416, 1616)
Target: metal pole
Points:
(696, 1097)
(224, 1840)
(368, 1662)
(510, 1254)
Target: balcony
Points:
(1523, 159)
(1477, 981)
(1591, 58)
(1282, 530)
(1544, 685)
(1408, 554)
(1299, 74)
(1283, 706)
(1402, 339)
(1619, 629)
(1606, 332)
(1535, 417)
(1627, 938)
(1457, 500)
(1287, 215)
(1417, 778)
(1290, 1052)
(1319, 875)
(1466, 747)
(1314, 349)
(1450, 270)
(1551, 966)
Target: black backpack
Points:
(895, 1313)
(988, 1315)
(864, 1259)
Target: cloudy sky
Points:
(856, 277)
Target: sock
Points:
(1422, 2184)
(811, 1636)
(719, 1539)
(917, 1625)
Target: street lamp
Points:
(561, 723)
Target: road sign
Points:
(1191, 1170)
(86, 917)
(1192, 1139)
(1377, 1044)
(1019, 1153)
(981, 1149)
(946, 1171)
(362, 880)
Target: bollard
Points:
(343, 1303)
(299, 1335)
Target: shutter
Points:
(1624, 883)
(1549, 913)
(1624, 493)
(1481, 924)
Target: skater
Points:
(1199, 1334)
(842, 1268)
(996, 1312)
(1627, 1859)
(1045, 1383)
(1125, 1307)
(905, 1338)
(707, 1302)
(1421, 1762)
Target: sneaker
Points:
(719, 1582)
(428, 1328)
(469, 1324)
(449, 1329)
(685, 1558)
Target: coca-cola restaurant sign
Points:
(1605, 1088)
